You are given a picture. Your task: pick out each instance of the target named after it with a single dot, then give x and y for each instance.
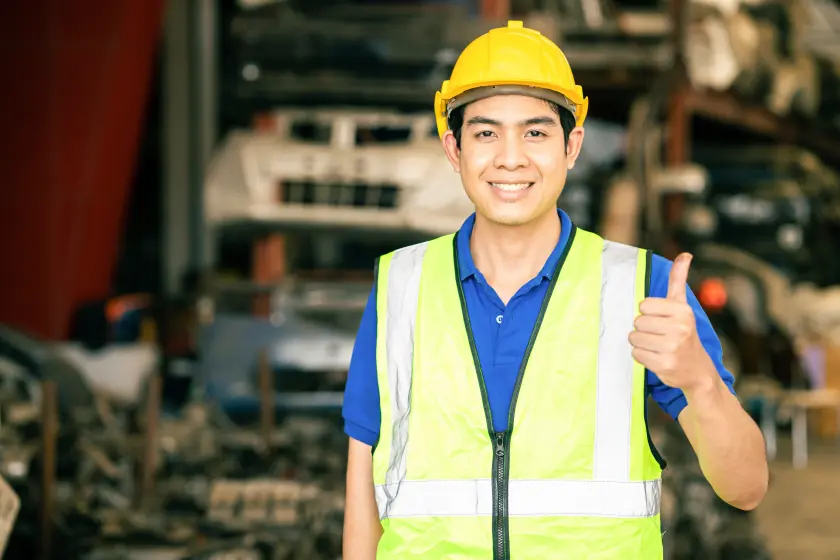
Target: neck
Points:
(517, 253)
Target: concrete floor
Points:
(800, 517)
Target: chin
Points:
(510, 216)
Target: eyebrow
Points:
(527, 122)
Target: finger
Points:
(678, 278)
(651, 342)
(661, 307)
(653, 324)
(647, 358)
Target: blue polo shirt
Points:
(501, 334)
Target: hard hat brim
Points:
(475, 94)
(571, 100)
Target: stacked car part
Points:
(782, 54)
(213, 488)
(397, 55)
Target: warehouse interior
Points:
(196, 192)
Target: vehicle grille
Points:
(313, 132)
(360, 195)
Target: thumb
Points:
(679, 278)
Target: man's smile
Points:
(509, 191)
(511, 187)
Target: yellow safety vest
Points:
(574, 476)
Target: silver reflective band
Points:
(403, 291)
(579, 498)
(488, 91)
(614, 400)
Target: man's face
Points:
(513, 159)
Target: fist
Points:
(665, 338)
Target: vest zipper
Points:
(500, 496)
(501, 440)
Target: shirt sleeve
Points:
(361, 393)
(673, 400)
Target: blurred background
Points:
(194, 192)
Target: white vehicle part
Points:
(685, 179)
(118, 371)
(340, 177)
(710, 59)
(818, 312)
(726, 7)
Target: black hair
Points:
(567, 121)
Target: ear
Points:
(450, 146)
(574, 146)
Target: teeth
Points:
(511, 187)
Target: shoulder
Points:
(411, 255)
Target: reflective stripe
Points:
(615, 363)
(527, 498)
(403, 295)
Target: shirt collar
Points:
(467, 264)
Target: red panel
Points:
(76, 77)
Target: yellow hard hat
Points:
(512, 59)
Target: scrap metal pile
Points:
(783, 54)
(192, 486)
(218, 491)
(221, 490)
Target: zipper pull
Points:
(500, 444)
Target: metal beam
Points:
(176, 143)
(190, 129)
(205, 62)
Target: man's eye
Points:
(484, 134)
(535, 133)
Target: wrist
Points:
(706, 387)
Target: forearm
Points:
(728, 443)
(362, 528)
(361, 535)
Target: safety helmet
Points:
(512, 60)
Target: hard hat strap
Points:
(488, 91)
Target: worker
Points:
(496, 398)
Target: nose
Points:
(511, 153)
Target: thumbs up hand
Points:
(665, 339)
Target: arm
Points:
(361, 422)
(728, 443)
(361, 518)
(675, 339)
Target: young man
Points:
(496, 395)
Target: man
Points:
(496, 395)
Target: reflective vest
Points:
(574, 476)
